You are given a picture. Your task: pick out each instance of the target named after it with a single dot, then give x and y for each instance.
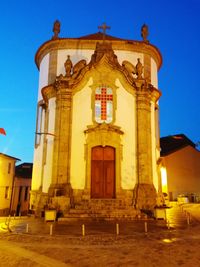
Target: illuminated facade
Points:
(180, 171)
(7, 171)
(97, 131)
(21, 189)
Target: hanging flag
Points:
(2, 131)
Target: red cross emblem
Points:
(104, 97)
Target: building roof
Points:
(99, 36)
(24, 170)
(172, 143)
(7, 156)
(89, 42)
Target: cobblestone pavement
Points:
(176, 218)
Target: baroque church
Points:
(97, 150)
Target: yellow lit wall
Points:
(183, 172)
(6, 180)
(126, 104)
(164, 180)
(82, 116)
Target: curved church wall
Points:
(81, 117)
(43, 77)
(126, 105)
(75, 56)
(38, 160)
(47, 175)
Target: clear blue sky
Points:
(174, 27)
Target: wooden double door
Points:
(103, 172)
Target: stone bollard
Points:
(27, 228)
(188, 218)
(117, 228)
(51, 229)
(83, 230)
(145, 227)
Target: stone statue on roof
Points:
(56, 29)
(68, 66)
(145, 33)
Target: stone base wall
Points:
(128, 204)
(145, 196)
(4, 212)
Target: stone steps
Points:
(103, 209)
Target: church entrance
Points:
(103, 172)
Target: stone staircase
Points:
(102, 209)
(175, 216)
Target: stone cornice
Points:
(104, 127)
(76, 43)
(149, 91)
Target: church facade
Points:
(97, 130)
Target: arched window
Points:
(103, 105)
(40, 109)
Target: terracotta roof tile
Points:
(99, 36)
(172, 143)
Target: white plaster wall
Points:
(75, 56)
(43, 75)
(47, 176)
(81, 117)
(154, 73)
(126, 105)
(37, 161)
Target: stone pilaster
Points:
(62, 146)
(147, 68)
(52, 73)
(144, 192)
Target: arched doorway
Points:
(103, 172)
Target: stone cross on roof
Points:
(104, 27)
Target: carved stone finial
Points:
(145, 33)
(68, 66)
(104, 27)
(56, 29)
(139, 69)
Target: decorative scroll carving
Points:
(56, 29)
(72, 73)
(133, 70)
(129, 68)
(103, 55)
(104, 127)
(78, 67)
(101, 50)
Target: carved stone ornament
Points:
(68, 66)
(72, 73)
(103, 54)
(104, 49)
(104, 127)
(139, 69)
(134, 71)
(145, 33)
(56, 29)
